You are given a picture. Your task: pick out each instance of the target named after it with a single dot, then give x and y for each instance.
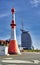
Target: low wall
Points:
(3, 50)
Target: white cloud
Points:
(3, 15)
(35, 3)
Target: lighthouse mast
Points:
(13, 25)
(13, 46)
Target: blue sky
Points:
(26, 10)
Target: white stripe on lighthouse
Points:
(13, 34)
(13, 17)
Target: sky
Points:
(27, 11)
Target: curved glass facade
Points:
(26, 41)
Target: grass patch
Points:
(31, 50)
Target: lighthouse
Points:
(13, 46)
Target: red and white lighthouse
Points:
(13, 46)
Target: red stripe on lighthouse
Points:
(13, 25)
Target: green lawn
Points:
(31, 50)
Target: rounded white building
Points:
(26, 41)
